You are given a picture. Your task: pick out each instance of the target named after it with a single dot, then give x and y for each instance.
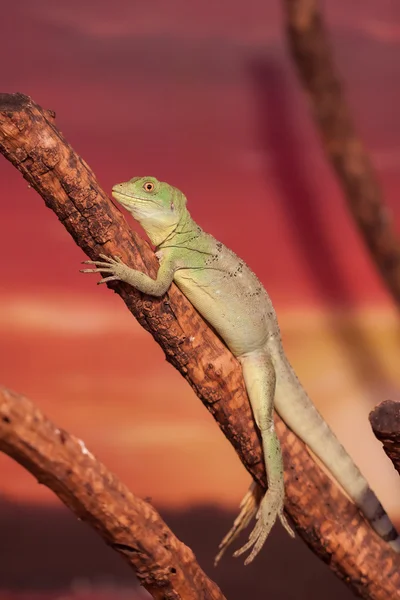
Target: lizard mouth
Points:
(127, 201)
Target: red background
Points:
(204, 96)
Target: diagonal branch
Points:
(385, 423)
(163, 564)
(323, 516)
(309, 45)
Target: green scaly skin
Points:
(231, 298)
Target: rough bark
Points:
(385, 423)
(313, 58)
(323, 517)
(132, 527)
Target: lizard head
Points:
(158, 206)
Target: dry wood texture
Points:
(323, 516)
(313, 58)
(164, 565)
(385, 423)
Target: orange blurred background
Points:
(204, 96)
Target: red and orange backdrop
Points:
(204, 96)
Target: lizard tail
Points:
(296, 409)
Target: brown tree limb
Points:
(132, 527)
(310, 49)
(385, 423)
(323, 516)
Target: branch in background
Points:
(312, 55)
(163, 564)
(385, 423)
(326, 520)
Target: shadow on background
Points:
(44, 548)
(279, 131)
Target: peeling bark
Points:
(385, 423)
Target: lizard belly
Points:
(238, 315)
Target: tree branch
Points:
(385, 423)
(132, 527)
(313, 58)
(30, 140)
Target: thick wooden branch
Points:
(323, 516)
(313, 58)
(163, 564)
(385, 423)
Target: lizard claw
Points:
(111, 278)
(110, 264)
(107, 260)
(248, 509)
(111, 259)
(270, 508)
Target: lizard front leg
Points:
(119, 271)
(259, 377)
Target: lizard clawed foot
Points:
(248, 509)
(270, 508)
(109, 264)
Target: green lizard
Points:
(231, 298)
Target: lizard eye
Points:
(148, 186)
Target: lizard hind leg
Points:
(260, 380)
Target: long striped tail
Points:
(296, 409)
